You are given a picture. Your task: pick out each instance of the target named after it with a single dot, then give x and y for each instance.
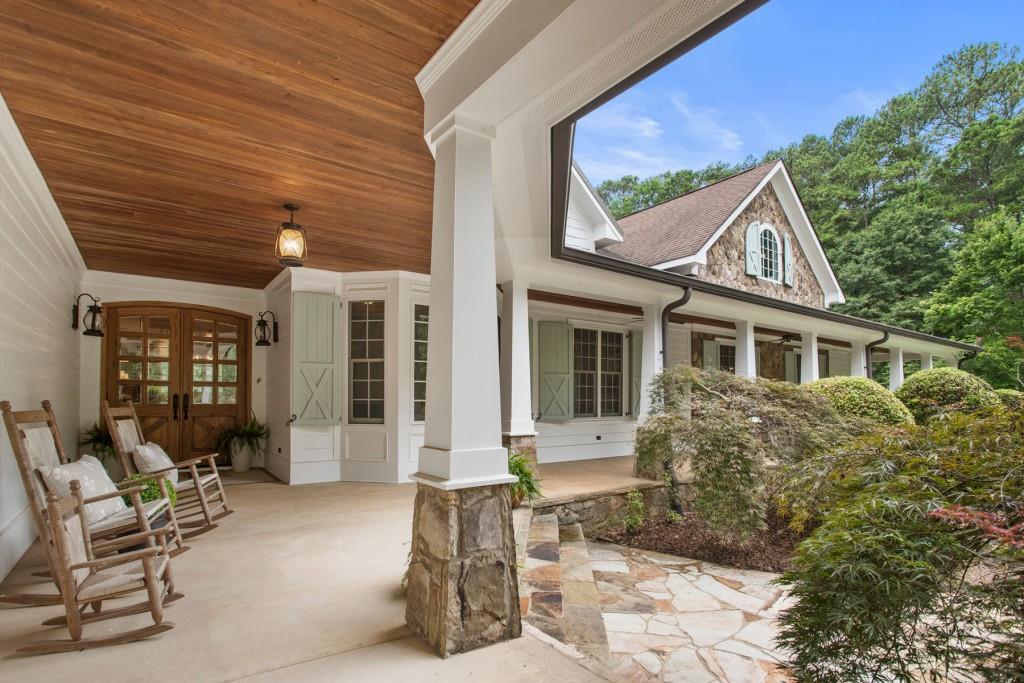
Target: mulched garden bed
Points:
(769, 550)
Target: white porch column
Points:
(462, 525)
(858, 360)
(516, 407)
(895, 368)
(926, 361)
(652, 361)
(808, 357)
(746, 351)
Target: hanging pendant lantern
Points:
(291, 241)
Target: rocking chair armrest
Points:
(187, 464)
(114, 560)
(114, 494)
(130, 539)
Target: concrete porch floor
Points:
(301, 583)
(562, 479)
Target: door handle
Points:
(184, 407)
(174, 407)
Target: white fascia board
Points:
(701, 256)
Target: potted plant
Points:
(526, 488)
(244, 443)
(101, 444)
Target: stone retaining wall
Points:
(598, 512)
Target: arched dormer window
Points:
(771, 254)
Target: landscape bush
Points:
(916, 571)
(940, 390)
(1011, 398)
(735, 436)
(861, 397)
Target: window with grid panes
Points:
(727, 358)
(598, 362)
(420, 320)
(366, 362)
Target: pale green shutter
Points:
(787, 259)
(636, 359)
(554, 351)
(791, 370)
(316, 358)
(757, 361)
(710, 354)
(753, 249)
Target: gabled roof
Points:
(681, 227)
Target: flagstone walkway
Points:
(637, 615)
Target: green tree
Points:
(984, 298)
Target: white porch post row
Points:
(516, 409)
(462, 523)
(895, 368)
(858, 359)
(926, 361)
(651, 362)
(808, 357)
(746, 351)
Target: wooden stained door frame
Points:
(244, 367)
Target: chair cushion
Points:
(95, 481)
(129, 435)
(42, 452)
(126, 517)
(150, 457)
(119, 579)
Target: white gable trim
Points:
(806, 237)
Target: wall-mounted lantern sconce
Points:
(264, 331)
(291, 240)
(93, 318)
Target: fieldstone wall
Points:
(523, 444)
(463, 592)
(773, 356)
(727, 262)
(598, 512)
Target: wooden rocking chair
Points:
(36, 443)
(201, 497)
(86, 582)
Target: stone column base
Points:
(524, 444)
(463, 588)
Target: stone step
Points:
(558, 594)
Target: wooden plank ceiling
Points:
(171, 132)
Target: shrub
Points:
(940, 390)
(635, 511)
(861, 397)
(526, 486)
(910, 514)
(150, 491)
(728, 430)
(1011, 398)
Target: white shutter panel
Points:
(753, 249)
(316, 358)
(710, 355)
(787, 267)
(791, 374)
(636, 355)
(554, 352)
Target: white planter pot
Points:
(241, 457)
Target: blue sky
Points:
(792, 67)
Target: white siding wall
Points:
(279, 379)
(578, 233)
(40, 272)
(584, 439)
(678, 345)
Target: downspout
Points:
(867, 354)
(970, 355)
(666, 313)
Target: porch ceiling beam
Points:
(581, 302)
(682, 319)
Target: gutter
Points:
(970, 355)
(562, 253)
(665, 315)
(868, 349)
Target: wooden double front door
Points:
(185, 368)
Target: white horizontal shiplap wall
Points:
(40, 272)
(584, 439)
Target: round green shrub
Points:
(1011, 398)
(150, 491)
(929, 392)
(860, 397)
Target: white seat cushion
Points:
(150, 457)
(94, 480)
(127, 517)
(126, 577)
(186, 485)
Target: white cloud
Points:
(702, 123)
(861, 101)
(625, 120)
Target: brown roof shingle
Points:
(680, 227)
